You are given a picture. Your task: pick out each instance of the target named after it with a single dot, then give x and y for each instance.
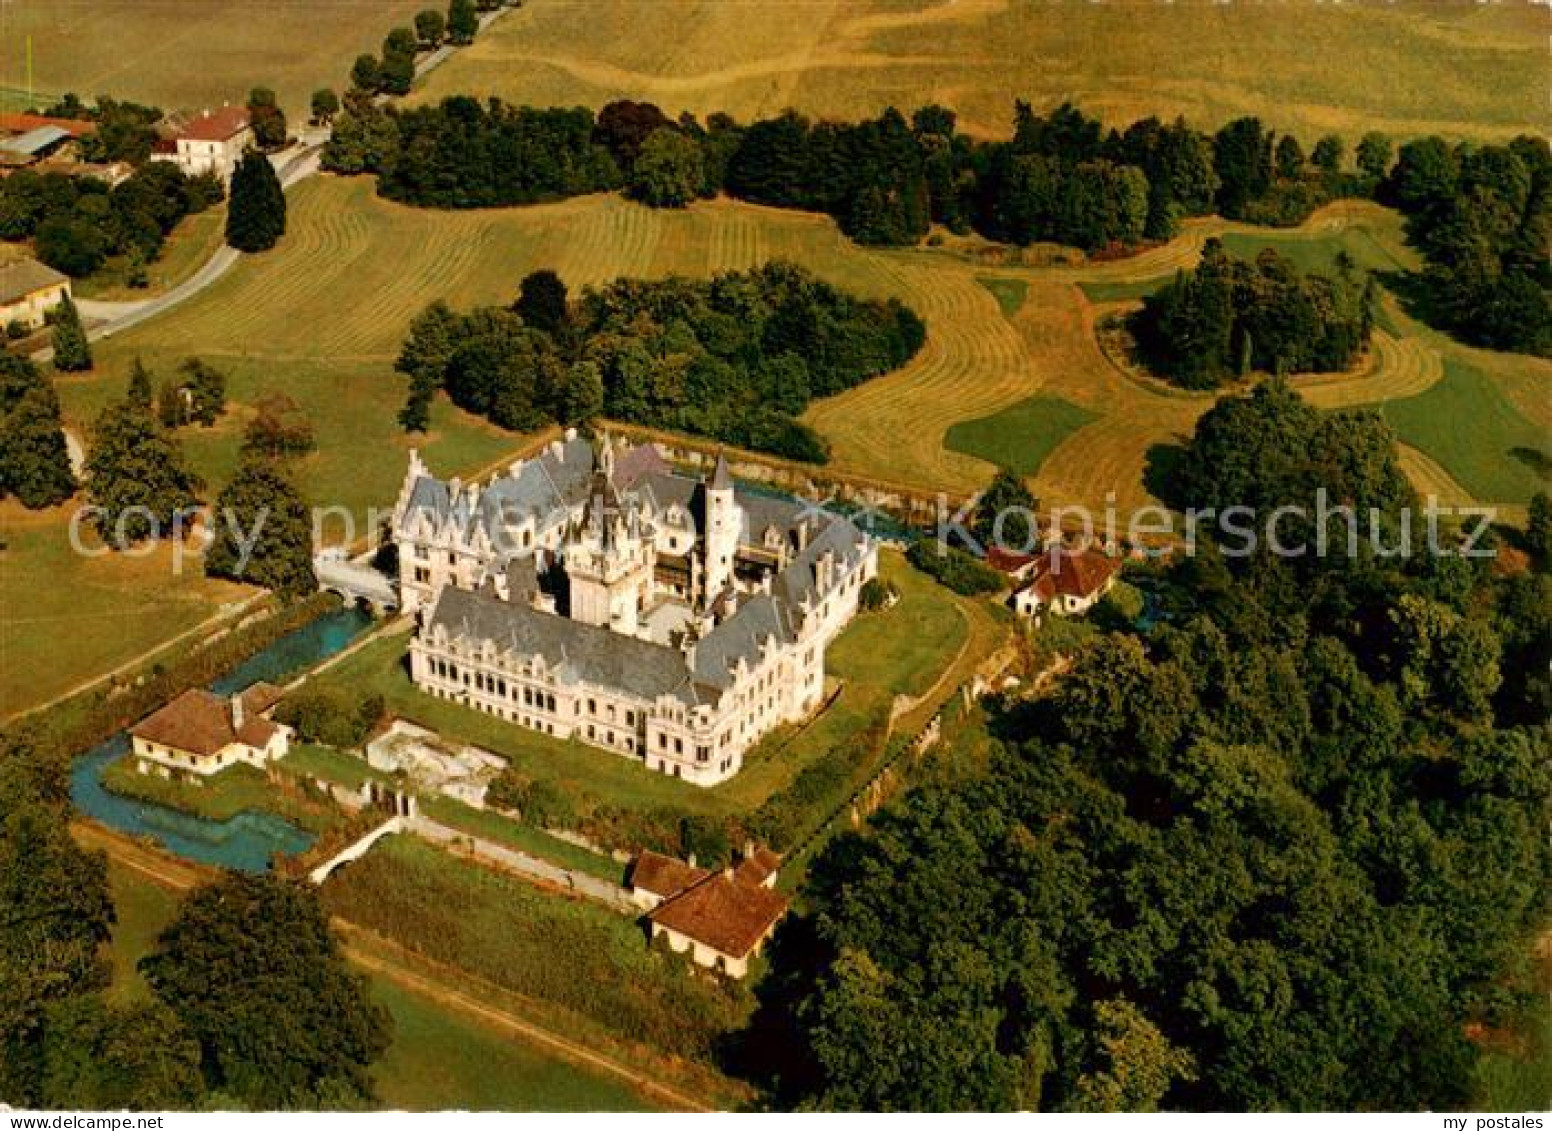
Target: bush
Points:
(330, 716)
(950, 566)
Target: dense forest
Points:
(1229, 316)
(736, 357)
(1276, 853)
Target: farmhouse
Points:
(28, 291)
(1065, 581)
(199, 734)
(213, 142)
(722, 918)
(669, 619)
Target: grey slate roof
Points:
(543, 486)
(35, 141)
(588, 652)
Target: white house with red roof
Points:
(200, 733)
(1063, 581)
(212, 142)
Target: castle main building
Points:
(605, 597)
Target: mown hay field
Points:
(1407, 68)
(189, 54)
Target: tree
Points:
(140, 394)
(667, 172)
(1290, 158)
(1005, 516)
(72, 353)
(204, 390)
(542, 303)
(266, 118)
(250, 969)
(262, 531)
(135, 477)
(366, 74)
(463, 22)
(278, 428)
(1136, 1064)
(34, 458)
(579, 393)
(1538, 529)
(401, 43)
(1327, 155)
(1374, 156)
(58, 914)
(430, 26)
(325, 104)
(257, 216)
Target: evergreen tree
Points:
(140, 394)
(34, 459)
(136, 477)
(171, 411)
(256, 218)
(72, 352)
(262, 509)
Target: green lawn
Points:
(1469, 426)
(1126, 290)
(1374, 246)
(440, 1061)
(190, 244)
(524, 838)
(143, 910)
(1009, 293)
(1021, 436)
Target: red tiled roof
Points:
(728, 914)
(1006, 561)
(216, 125)
(1071, 573)
(663, 875)
(201, 723)
(21, 123)
(758, 867)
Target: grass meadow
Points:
(1407, 68)
(189, 54)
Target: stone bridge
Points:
(355, 580)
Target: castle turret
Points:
(723, 519)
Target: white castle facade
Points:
(604, 597)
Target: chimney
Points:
(237, 712)
(454, 486)
(692, 859)
(749, 848)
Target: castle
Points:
(602, 596)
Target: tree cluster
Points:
(1061, 177)
(1229, 317)
(736, 357)
(1482, 217)
(77, 223)
(1279, 852)
(126, 131)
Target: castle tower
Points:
(609, 563)
(723, 520)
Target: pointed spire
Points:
(722, 476)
